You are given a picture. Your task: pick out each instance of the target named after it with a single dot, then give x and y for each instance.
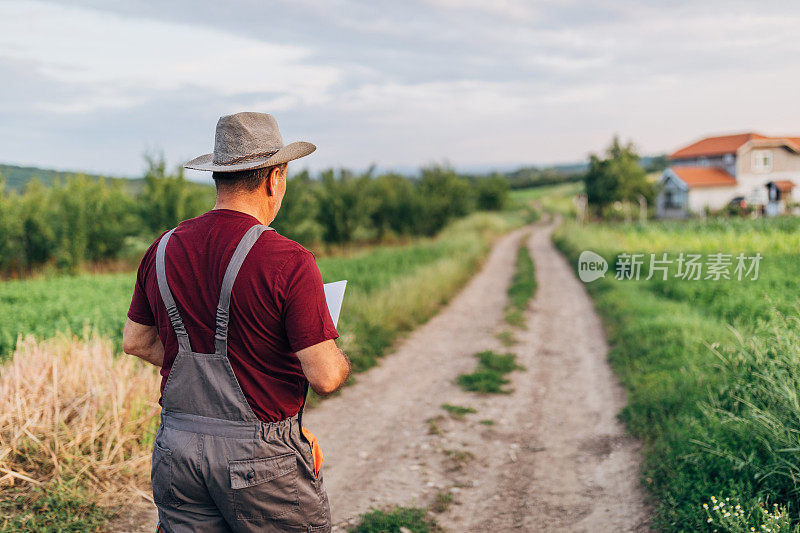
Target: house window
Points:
(762, 161)
(727, 159)
(672, 199)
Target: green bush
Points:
(167, 199)
(492, 192)
(445, 196)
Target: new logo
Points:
(591, 266)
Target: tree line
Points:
(82, 219)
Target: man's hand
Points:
(326, 366)
(143, 342)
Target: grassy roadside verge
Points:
(715, 406)
(72, 450)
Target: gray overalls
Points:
(216, 466)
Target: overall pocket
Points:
(265, 488)
(161, 476)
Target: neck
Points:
(252, 204)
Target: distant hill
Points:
(17, 177)
(532, 176)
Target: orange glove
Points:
(316, 451)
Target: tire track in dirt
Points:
(555, 458)
(559, 460)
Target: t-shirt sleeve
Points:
(305, 311)
(140, 310)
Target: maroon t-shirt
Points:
(277, 306)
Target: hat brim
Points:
(290, 152)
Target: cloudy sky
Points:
(91, 84)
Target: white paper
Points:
(334, 294)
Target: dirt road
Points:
(554, 458)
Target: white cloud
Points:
(511, 9)
(122, 61)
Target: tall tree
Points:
(166, 199)
(445, 196)
(618, 177)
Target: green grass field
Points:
(554, 198)
(712, 368)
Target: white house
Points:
(710, 173)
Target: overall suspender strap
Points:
(223, 309)
(166, 295)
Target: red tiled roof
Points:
(792, 140)
(696, 177)
(727, 144)
(711, 146)
(795, 140)
(783, 185)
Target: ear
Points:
(272, 181)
